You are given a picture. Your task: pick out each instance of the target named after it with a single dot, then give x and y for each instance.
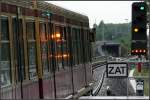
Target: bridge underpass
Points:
(102, 48)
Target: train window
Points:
(44, 47)
(50, 48)
(18, 45)
(74, 45)
(78, 46)
(65, 54)
(65, 48)
(69, 45)
(58, 53)
(81, 44)
(30, 29)
(4, 29)
(85, 46)
(5, 66)
(87, 43)
(89, 46)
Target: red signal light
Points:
(144, 51)
(140, 50)
(136, 51)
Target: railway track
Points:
(99, 69)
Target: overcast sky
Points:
(108, 11)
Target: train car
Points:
(45, 51)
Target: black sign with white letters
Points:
(140, 87)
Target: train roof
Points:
(45, 6)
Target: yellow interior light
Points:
(57, 35)
(53, 36)
(64, 55)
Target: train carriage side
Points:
(42, 54)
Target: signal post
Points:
(139, 39)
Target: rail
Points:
(94, 59)
(95, 92)
(98, 61)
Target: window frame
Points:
(8, 43)
(28, 20)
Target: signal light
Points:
(139, 30)
(136, 29)
(141, 8)
(140, 51)
(139, 21)
(136, 51)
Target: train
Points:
(45, 51)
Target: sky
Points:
(108, 11)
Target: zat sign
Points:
(117, 69)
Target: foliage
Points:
(114, 32)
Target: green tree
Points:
(99, 31)
(115, 32)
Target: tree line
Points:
(119, 33)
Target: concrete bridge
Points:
(102, 48)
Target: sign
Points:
(117, 69)
(140, 87)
